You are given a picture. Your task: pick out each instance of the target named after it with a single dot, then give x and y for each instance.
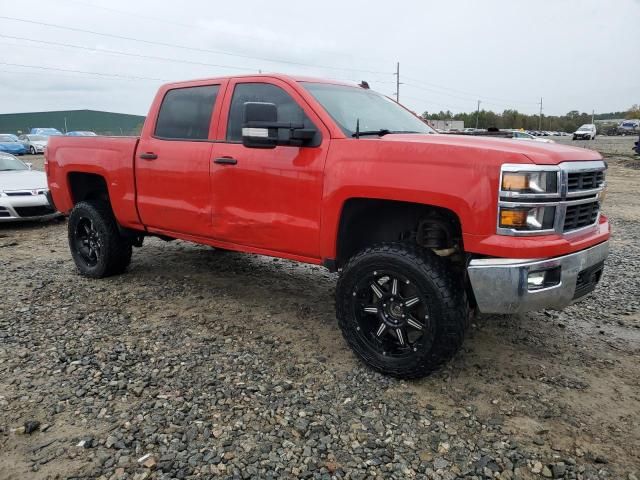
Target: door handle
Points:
(148, 156)
(226, 161)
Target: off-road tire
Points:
(433, 276)
(115, 250)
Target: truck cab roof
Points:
(258, 76)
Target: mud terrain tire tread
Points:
(448, 300)
(116, 251)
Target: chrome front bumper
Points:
(500, 285)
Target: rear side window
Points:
(185, 113)
(288, 109)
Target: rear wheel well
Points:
(87, 186)
(366, 222)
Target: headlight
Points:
(535, 182)
(527, 218)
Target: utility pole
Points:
(593, 114)
(477, 114)
(65, 124)
(397, 74)
(540, 119)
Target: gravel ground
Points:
(201, 363)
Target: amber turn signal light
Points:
(514, 181)
(513, 218)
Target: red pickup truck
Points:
(423, 228)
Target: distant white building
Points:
(447, 124)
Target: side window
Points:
(185, 113)
(288, 109)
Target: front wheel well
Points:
(365, 222)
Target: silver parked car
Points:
(34, 143)
(23, 192)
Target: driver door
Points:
(269, 199)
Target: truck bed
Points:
(112, 158)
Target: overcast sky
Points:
(576, 54)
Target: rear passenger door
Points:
(173, 161)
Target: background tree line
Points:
(514, 119)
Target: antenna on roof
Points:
(364, 84)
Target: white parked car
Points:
(34, 143)
(23, 192)
(585, 132)
(527, 136)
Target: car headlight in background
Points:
(527, 218)
(535, 182)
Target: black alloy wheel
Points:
(87, 241)
(402, 309)
(392, 314)
(96, 244)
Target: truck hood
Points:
(537, 152)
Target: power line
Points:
(186, 47)
(467, 98)
(139, 15)
(445, 105)
(128, 54)
(118, 52)
(421, 84)
(65, 75)
(469, 94)
(115, 75)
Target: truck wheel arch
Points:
(367, 221)
(87, 186)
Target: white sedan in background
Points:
(34, 143)
(23, 192)
(526, 136)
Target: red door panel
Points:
(270, 198)
(173, 189)
(174, 159)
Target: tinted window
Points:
(288, 109)
(186, 113)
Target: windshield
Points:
(37, 138)
(349, 106)
(585, 127)
(8, 138)
(8, 163)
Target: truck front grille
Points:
(574, 204)
(577, 181)
(579, 216)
